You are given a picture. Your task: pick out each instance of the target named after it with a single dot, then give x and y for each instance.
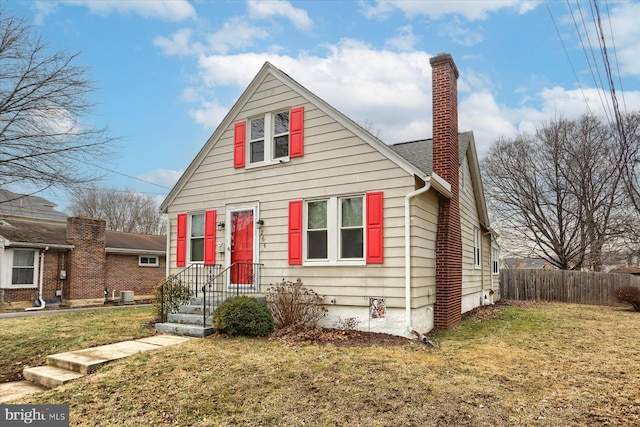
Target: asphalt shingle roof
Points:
(420, 153)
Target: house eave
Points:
(38, 245)
(441, 186)
(124, 251)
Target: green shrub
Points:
(170, 296)
(295, 306)
(243, 315)
(631, 295)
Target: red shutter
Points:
(181, 241)
(296, 132)
(295, 232)
(239, 139)
(375, 229)
(210, 237)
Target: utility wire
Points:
(566, 53)
(599, 88)
(615, 55)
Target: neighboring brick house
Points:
(72, 261)
(396, 236)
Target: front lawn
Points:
(28, 341)
(543, 365)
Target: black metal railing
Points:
(239, 278)
(179, 288)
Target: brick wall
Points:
(124, 274)
(447, 309)
(86, 275)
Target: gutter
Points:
(133, 251)
(43, 304)
(407, 249)
(45, 246)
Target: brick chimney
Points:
(447, 310)
(87, 263)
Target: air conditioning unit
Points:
(126, 297)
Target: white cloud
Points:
(471, 10)
(165, 177)
(42, 9)
(168, 10)
(179, 44)
(460, 33)
(210, 113)
(624, 22)
(236, 33)
(266, 9)
(405, 40)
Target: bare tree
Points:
(44, 105)
(126, 211)
(560, 190)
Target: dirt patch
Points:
(337, 337)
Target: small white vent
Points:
(126, 297)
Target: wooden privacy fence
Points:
(581, 287)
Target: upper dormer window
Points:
(272, 138)
(273, 128)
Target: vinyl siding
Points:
(473, 279)
(335, 163)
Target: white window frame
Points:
(148, 264)
(495, 260)
(334, 213)
(36, 266)
(269, 140)
(190, 237)
(477, 248)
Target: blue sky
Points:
(167, 71)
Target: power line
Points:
(566, 52)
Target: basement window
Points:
(148, 261)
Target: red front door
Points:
(242, 226)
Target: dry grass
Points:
(546, 365)
(28, 341)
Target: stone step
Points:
(50, 376)
(191, 319)
(194, 309)
(184, 329)
(210, 301)
(73, 361)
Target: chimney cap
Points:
(441, 59)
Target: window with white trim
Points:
(495, 261)
(269, 138)
(148, 261)
(196, 238)
(24, 268)
(477, 248)
(335, 230)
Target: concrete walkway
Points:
(64, 367)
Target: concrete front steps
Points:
(64, 367)
(189, 320)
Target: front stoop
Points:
(189, 320)
(64, 367)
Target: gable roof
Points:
(26, 206)
(268, 69)
(420, 154)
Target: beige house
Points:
(396, 236)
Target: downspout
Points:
(407, 249)
(43, 304)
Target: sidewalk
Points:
(64, 367)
